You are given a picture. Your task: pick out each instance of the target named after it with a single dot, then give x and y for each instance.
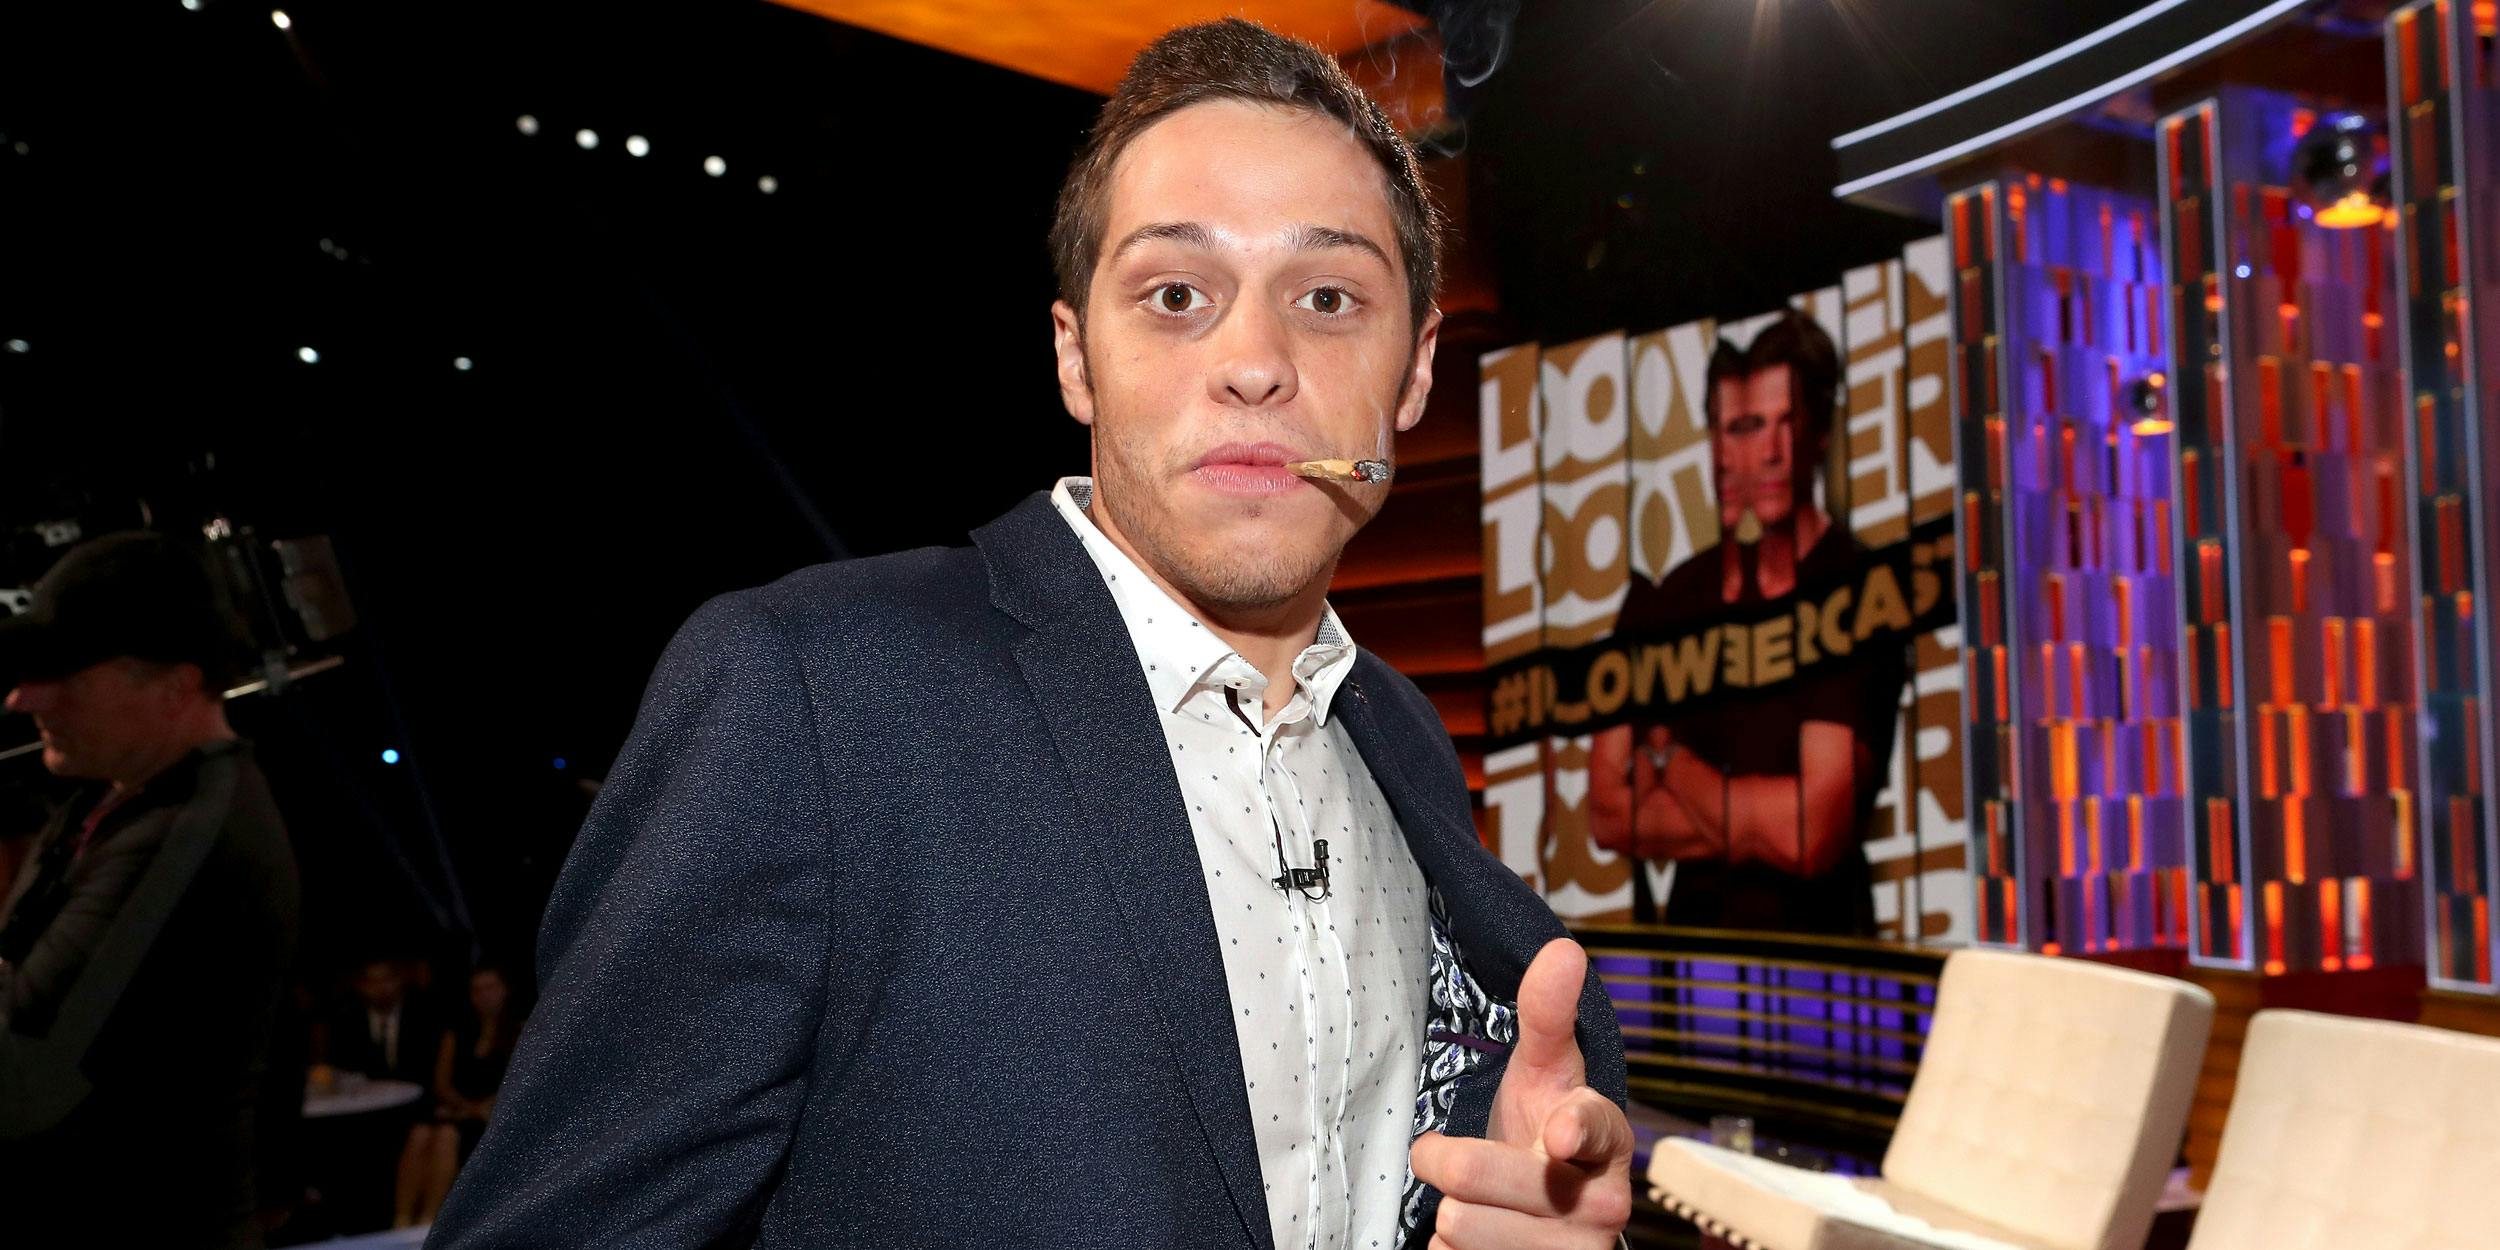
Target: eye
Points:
(1333, 301)
(1179, 297)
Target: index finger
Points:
(1491, 1174)
(1587, 1128)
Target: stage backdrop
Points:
(1725, 672)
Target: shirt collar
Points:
(1180, 653)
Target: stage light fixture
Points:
(560, 763)
(586, 138)
(2353, 211)
(307, 355)
(18, 347)
(636, 145)
(715, 166)
(527, 123)
(279, 19)
(768, 184)
(193, 5)
(462, 363)
(2340, 170)
(2149, 397)
(389, 756)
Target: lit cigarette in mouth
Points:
(1341, 470)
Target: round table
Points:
(353, 1135)
(358, 1097)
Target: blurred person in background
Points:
(385, 1031)
(146, 938)
(468, 1071)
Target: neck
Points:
(1775, 556)
(1269, 636)
(202, 727)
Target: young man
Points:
(146, 941)
(1087, 887)
(1761, 796)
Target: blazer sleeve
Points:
(683, 961)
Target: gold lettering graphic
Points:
(1925, 586)
(1834, 639)
(1735, 655)
(1771, 658)
(1882, 607)
(1610, 682)
(1645, 670)
(1694, 666)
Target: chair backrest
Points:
(2349, 1132)
(2052, 1096)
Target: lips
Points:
(1248, 469)
(1276, 454)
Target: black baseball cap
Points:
(137, 594)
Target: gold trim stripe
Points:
(1790, 1048)
(1906, 1007)
(1786, 1022)
(1719, 1093)
(1802, 965)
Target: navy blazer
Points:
(888, 929)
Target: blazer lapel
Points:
(1083, 672)
(1479, 890)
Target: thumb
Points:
(1549, 1013)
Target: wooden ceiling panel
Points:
(1089, 43)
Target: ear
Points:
(1419, 376)
(1067, 342)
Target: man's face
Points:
(107, 721)
(1755, 444)
(1248, 310)
(379, 986)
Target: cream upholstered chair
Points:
(2045, 1115)
(2357, 1134)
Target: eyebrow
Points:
(1304, 238)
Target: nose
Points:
(1254, 361)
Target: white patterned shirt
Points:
(1329, 996)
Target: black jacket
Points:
(160, 1151)
(888, 929)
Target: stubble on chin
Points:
(1209, 572)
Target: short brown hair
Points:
(1795, 340)
(1237, 60)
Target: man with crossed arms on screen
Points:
(1087, 886)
